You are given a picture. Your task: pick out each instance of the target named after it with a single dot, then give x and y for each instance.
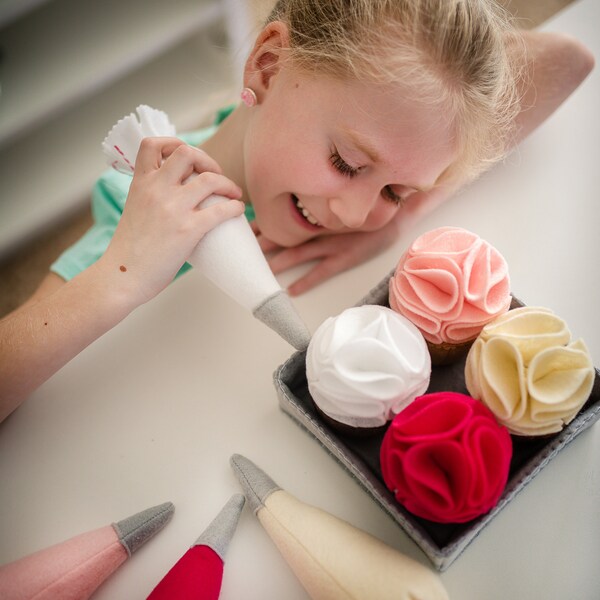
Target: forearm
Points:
(161, 224)
(40, 338)
(553, 65)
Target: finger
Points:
(292, 257)
(186, 160)
(216, 214)
(266, 245)
(206, 184)
(321, 272)
(153, 151)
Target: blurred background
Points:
(69, 69)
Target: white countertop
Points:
(154, 409)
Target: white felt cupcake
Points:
(364, 366)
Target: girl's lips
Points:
(302, 216)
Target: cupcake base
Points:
(446, 353)
(348, 429)
(543, 438)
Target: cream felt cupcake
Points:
(527, 370)
(450, 283)
(364, 366)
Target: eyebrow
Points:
(366, 148)
(363, 145)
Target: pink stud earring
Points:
(249, 97)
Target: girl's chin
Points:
(289, 241)
(277, 235)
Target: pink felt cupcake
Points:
(450, 283)
(446, 458)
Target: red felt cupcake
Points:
(446, 458)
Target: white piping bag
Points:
(229, 255)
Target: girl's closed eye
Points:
(391, 196)
(342, 166)
(347, 170)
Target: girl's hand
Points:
(162, 221)
(333, 253)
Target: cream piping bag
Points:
(332, 559)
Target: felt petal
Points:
(558, 374)
(391, 464)
(436, 285)
(503, 381)
(486, 281)
(428, 326)
(442, 415)
(530, 329)
(476, 270)
(467, 325)
(445, 241)
(437, 477)
(472, 369)
(560, 381)
(490, 449)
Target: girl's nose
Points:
(353, 210)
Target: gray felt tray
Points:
(442, 543)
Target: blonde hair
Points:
(453, 53)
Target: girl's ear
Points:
(267, 57)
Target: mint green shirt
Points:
(108, 199)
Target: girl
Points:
(358, 116)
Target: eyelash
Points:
(391, 196)
(347, 170)
(342, 166)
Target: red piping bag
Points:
(198, 574)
